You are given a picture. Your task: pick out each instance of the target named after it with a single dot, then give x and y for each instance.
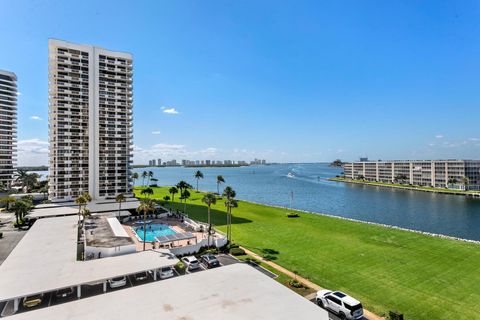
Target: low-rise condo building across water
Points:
(455, 174)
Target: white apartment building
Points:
(457, 174)
(90, 121)
(8, 126)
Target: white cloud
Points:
(474, 139)
(32, 152)
(439, 136)
(35, 118)
(170, 110)
(155, 132)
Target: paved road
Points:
(8, 242)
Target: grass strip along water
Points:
(421, 276)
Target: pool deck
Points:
(173, 223)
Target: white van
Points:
(340, 303)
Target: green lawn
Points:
(421, 276)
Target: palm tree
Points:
(134, 177)
(81, 201)
(21, 207)
(155, 182)
(144, 175)
(8, 202)
(465, 182)
(146, 192)
(21, 175)
(150, 176)
(120, 198)
(183, 186)
(230, 203)
(198, 175)
(87, 196)
(172, 191)
(44, 190)
(209, 199)
(86, 213)
(146, 205)
(220, 180)
(30, 181)
(184, 195)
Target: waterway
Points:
(451, 215)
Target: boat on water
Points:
(290, 175)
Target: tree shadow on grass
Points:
(200, 213)
(267, 253)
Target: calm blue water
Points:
(154, 230)
(445, 214)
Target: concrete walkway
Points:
(369, 315)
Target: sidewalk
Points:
(369, 315)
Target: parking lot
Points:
(51, 299)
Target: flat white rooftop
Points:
(229, 293)
(71, 208)
(45, 260)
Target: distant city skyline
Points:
(300, 82)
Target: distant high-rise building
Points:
(207, 162)
(159, 162)
(154, 162)
(90, 121)
(8, 126)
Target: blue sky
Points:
(286, 81)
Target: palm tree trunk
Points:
(229, 235)
(144, 228)
(209, 226)
(119, 209)
(197, 184)
(218, 188)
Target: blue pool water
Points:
(153, 230)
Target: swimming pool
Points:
(153, 230)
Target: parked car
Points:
(117, 282)
(140, 276)
(340, 303)
(166, 272)
(32, 301)
(63, 293)
(191, 263)
(209, 260)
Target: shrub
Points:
(293, 215)
(394, 315)
(205, 250)
(237, 252)
(295, 283)
(233, 245)
(180, 267)
(252, 261)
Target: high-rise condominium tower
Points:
(90, 121)
(8, 126)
